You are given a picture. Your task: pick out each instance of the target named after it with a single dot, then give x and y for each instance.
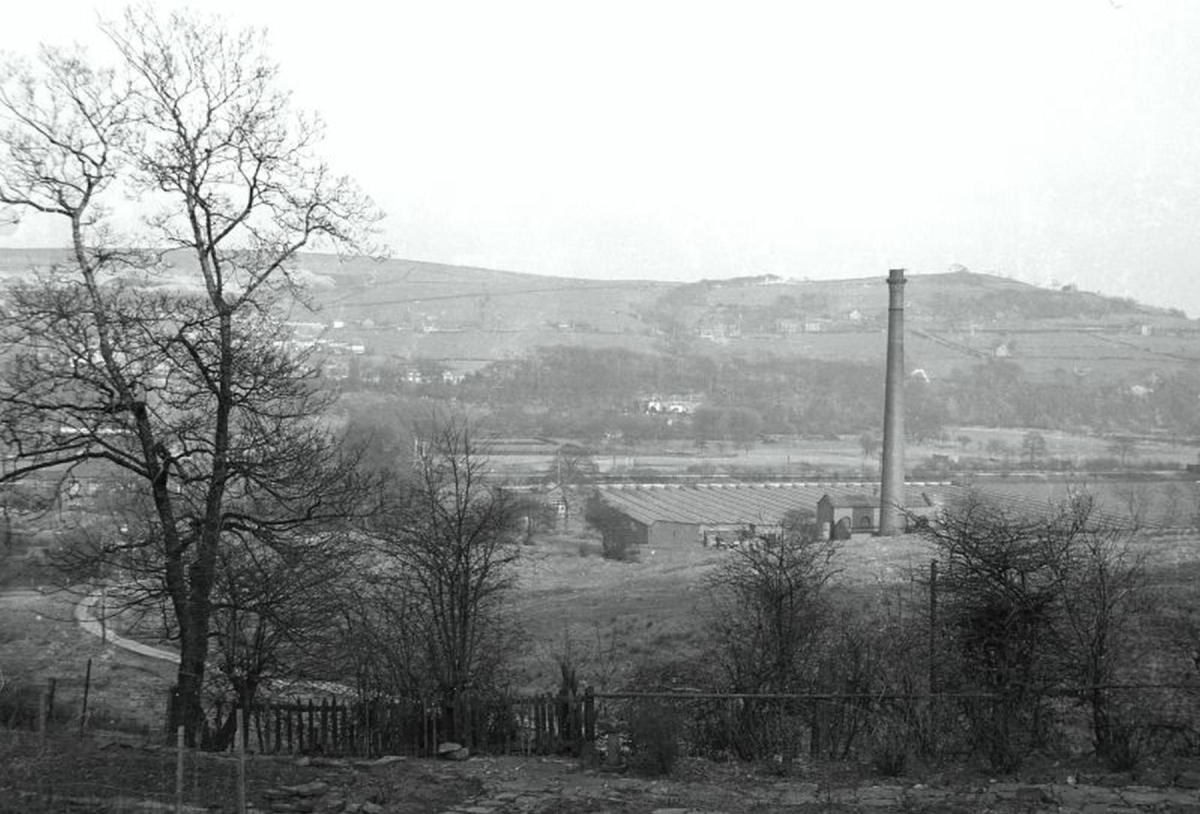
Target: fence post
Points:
(241, 762)
(589, 715)
(87, 687)
(323, 741)
(815, 741)
(42, 715)
(178, 770)
(51, 690)
(312, 725)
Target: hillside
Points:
(467, 317)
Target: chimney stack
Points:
(891, 519)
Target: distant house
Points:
(675, 405)
(719, 331)
(788, 326)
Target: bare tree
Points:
(870, 444)
(448, 544)
(998, 590)
(767, 616)
(276, 608)
(1137, 498)
(572, 470)
(1033, 447)
(1030, 606)
(1124, 448)
(180, 377)
(769, 609)
(1104, 592)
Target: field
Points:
(842, 457)
(616, 618)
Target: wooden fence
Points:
(827, 725)
(531, 725)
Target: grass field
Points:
(40, 640)
(616, 617)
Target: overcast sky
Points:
(1048, 140)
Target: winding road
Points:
(85, 615)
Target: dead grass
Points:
(43, 776)
(615, 617)
(41, 641)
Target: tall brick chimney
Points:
(891, 498)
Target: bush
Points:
(889, 747)
(21, 707)
(654, 731)
(620, 549)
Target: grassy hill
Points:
(413, 310)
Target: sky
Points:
(1053, 141)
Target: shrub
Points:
(889, 747)
(620, 549)
(654, 731)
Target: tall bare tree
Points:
(448, 545)
(180, 376)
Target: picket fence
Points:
(531, 725)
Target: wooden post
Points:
(51, 691)
(42, 714)
(241, 762)
(814, 746)
(333, 724)
(312, 725)
(87, 686)
(589, 715)
(179, 770)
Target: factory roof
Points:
(728, 503)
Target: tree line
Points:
(592, 393)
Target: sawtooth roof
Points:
(717, 504)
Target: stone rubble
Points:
(569, 788)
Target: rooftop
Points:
(727, 503)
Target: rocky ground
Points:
(557, 786)
(114, 776)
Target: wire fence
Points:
(56, 772)
(51, 733)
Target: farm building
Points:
(673, 515)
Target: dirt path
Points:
(85, 615)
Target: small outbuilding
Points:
(847, 514)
